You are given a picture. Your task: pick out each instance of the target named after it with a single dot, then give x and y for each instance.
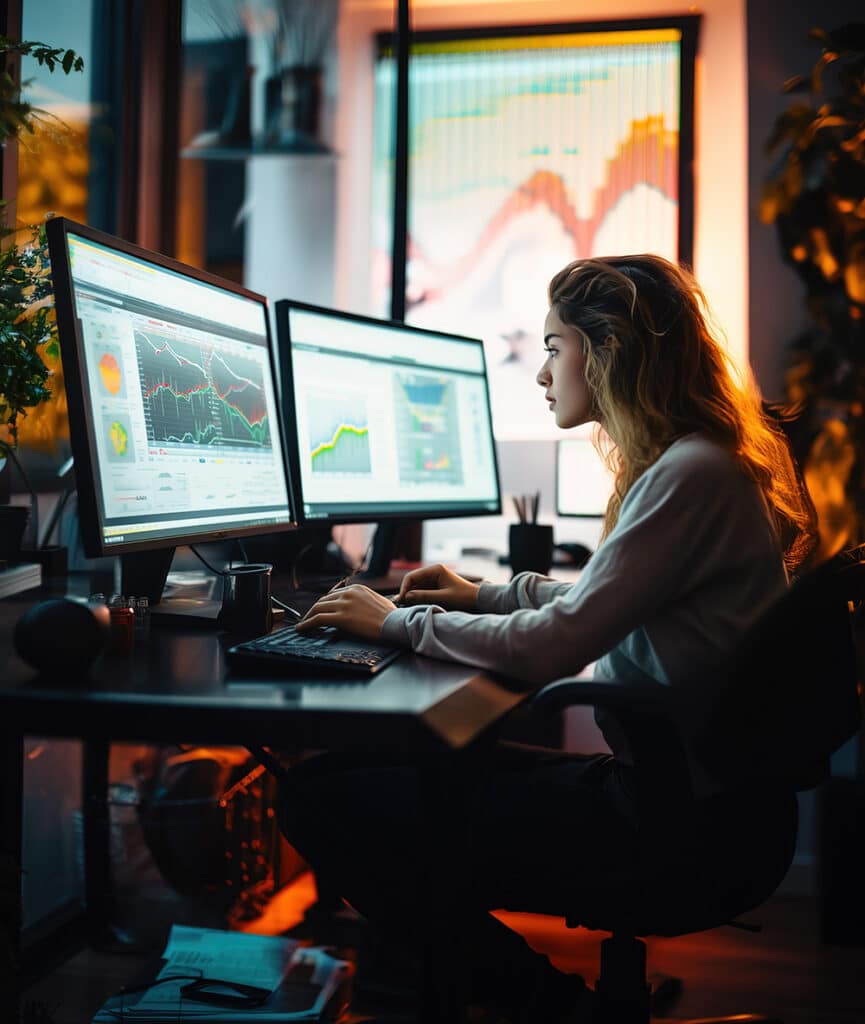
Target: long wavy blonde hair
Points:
(656, 371)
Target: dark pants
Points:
(518, 819)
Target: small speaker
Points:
(62, 635)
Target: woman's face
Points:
(563, 374)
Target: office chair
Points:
(790, 700)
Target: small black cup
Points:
(246, 606)
(530, 547)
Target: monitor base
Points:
(186, 609)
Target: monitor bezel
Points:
(560, 443)
(81, 429)
(286, 367)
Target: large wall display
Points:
(528, 149)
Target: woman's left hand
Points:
(356, 609)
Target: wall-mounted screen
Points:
(528, 148)
(584, 484)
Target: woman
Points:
(707, 521)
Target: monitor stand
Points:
(144, 574)
(392, 538)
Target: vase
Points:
(292, 107)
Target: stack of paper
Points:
(23, 576)
(302, 981)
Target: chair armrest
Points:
(610, 694)
(647, 714)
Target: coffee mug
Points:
(530, 547)
(246, 605)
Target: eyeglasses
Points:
(224, 993)
(198, 989)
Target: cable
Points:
(285, 607)
(203, 560)
(359, 567)
(222, 572)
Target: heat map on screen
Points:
(525, 152)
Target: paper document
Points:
(302, 980)
(259, 960)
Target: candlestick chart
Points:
(196, 394)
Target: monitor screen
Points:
(174, 420)
(583, 482)
(391, 420)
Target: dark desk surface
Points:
(175, 687)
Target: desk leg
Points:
(447, 879)
(97, 840)
(11, 810)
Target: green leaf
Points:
(798, 83)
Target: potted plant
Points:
(300, 34)
(815, 197)
(27, 328)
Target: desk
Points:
(176, 688)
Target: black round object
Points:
(60, 634)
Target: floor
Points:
(784, 970)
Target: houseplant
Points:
(26, 318)
(300, 33)
(815, 197)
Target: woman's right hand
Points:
(436, 584)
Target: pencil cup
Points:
(246, 603)
(530, 547)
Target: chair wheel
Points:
(665, 992)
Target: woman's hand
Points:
(436, 584)
(355, 609)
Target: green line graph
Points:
(339, 436)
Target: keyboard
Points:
(321, 650)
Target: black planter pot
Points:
(292, 105)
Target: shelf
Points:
(302, 147)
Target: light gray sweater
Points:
(691, 563)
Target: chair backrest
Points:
(791, 696)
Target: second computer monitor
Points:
(583, 482)
(391, 421)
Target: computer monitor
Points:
(583, 482)
(174, 420)
(392, 422)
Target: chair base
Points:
(624, 994)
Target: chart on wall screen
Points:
(339, 434)
(427, 428)
(196, 394)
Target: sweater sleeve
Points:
(526, 590)
(677, 511)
